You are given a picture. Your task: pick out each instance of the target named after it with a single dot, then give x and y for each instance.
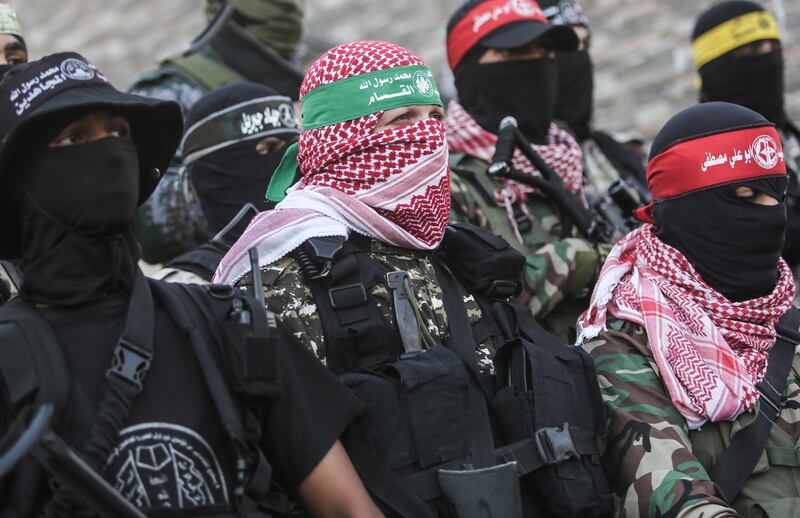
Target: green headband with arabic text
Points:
(352, 98)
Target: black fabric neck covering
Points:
(734, 244)
(227, 179)
(574, 104)
(524, 89)
(77, 205)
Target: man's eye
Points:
(70, 139)
(120, 132)
(436, 115)
(401, 117)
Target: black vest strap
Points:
(736, 464)
(355, 332)
(462, 342)
(129, 365)
(253, 473)
(202, 261)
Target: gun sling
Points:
(737, 462)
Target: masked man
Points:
(142, 373)
(699, 378)
(360, 263)
(738, 55)
(235, 140)
(502, 55)
(246, 40)
(606, 161)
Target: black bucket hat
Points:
(67, 84)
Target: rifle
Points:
(617, 207)
(38, 440)
(510, 138)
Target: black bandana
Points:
(734, 244)
(77, 205)
(524, 89)
(575, 91)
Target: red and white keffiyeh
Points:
(562, 153)
(393, 186)
(711, 352)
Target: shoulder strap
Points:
(737, 462)
(204, 71)
(129, 364)
(202, 261)
(462, 342)
(186, 306)
(355, 332)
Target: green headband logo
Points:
(424, 84)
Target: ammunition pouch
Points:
(548, 394)
(438, 436)
(485, 263)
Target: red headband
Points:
(485, 18)
(712, 160)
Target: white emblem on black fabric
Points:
(765, 152)
(77, 69)
(161, 465)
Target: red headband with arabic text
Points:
(485, 18)
(711, 160)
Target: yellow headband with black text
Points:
(736, 32)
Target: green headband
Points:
(352, 98)
(357, 96)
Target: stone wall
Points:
(640, 47)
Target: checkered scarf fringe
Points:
(562, 153)
(710, 352)
(393, 185)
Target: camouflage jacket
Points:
(658, 467)
(560, 271)
(288, 296)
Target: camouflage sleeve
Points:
(557, 270)
(647, 452)
(291, 300)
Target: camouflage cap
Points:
(276, 23)
(9, 24)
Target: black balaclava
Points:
(734, 244)
(236, 174)
(525, 89)
(574, 104)
(77, 205)
(753, 81)
(227, 179)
